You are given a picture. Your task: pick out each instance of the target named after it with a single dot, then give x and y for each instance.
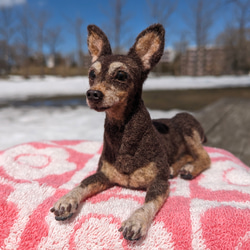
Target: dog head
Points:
(116, 80)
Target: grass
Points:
(191, 100)
(62, 71)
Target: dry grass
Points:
(57, 71)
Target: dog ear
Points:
(149, 46)
(98, 43)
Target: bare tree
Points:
(116, 28)
(53, 40)
(7, 32)
(181, 45)
(78, 32)
(41, 21)
(161, 10)
(118, 24)
(242, 12)
(236, 38)
(200, 19)
(25, 30)
(180, 48)
(78, 25)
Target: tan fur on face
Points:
(97, 66)
(146, 47)
(114, 99)
(115, 65)
(112, 95)
(141, 178)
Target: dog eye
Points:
(121, 76)
(92, 74)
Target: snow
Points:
(25, 124)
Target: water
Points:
(59, 101)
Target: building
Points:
(168, 56)
(203, 61)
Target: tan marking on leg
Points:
(194, 140)
(176, 167)
(93, 189)
(201, 158)
(67, 205)
(115, 65)
(137, 225)
(188, 167)
(171, 172)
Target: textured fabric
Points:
(209, 212)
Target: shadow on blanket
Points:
(210, 211)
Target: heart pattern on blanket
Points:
(210, 211)
(218, 218)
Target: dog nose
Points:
(94, 95)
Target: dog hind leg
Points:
(176, 166)
(201, 160)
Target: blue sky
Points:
(93, 12)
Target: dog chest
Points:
(140, 178)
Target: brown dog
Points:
(137, 152)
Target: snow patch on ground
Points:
(25, 124)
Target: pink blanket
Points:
(210, 212)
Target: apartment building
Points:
(203, 61)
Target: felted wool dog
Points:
(138, 152)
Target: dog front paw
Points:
(65, 207)
(134, 228)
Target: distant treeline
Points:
(30, 45)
